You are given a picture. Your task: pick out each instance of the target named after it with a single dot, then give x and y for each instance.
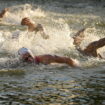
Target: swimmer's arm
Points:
(100, 56)
(43, 34)
(100, 43)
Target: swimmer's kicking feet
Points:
(27, 56)
(3, 12)
(34, 27)
(91, 49)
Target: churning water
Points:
(56, 84)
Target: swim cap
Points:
(24, 50)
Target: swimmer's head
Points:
(25, 21)
(24, 50)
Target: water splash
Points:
(55, 25)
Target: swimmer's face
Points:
(25, 21)
(27, 57)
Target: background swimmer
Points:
(3, 12)
(34, 27)
(91, 49)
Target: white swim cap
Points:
(24, 50)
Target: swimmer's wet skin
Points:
(91, 49)
(46, 59)
(3, 12)
(34, 27)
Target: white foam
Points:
(76, 63)
(16, 13)
(55, 26)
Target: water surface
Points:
(56, 84)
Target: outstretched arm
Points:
(96, 44)
(100, 43)
(91, 49)
(47, 59)
(40, 28)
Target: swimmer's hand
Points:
(44, 35)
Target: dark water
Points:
(28, 84)
(52, 85)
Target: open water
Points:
(55, 84)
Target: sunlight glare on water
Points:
(55, 84)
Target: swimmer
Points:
(27, 56)
(3, 12)
(91, 49)
(34, 27)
